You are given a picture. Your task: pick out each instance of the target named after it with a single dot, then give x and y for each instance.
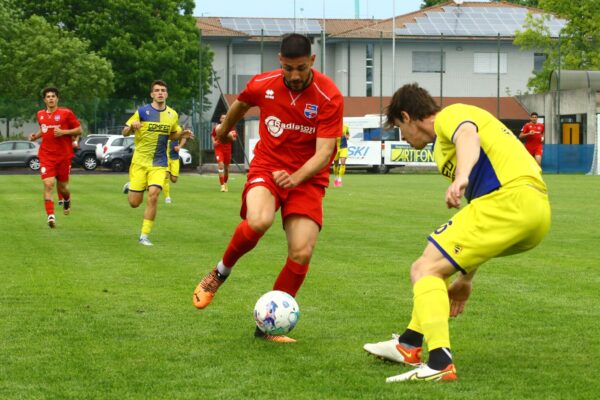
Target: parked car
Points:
(20, 153)
(116, 142)
(119, 160)
(85, 154)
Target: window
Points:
(6, 146)
(245, 66)
(538, 61)
(23, 146)
(487, 63)
(369, 69)
(428, 61)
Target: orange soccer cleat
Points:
(273, 338)
(207, 288)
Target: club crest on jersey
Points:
(310, 110)
(57, 117)
(270, 94)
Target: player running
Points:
(301, 116)
(153, 125)
(339, 161)
(172, 175)
(508, 213)
(223, 154)
(533, 133)
(58, 128)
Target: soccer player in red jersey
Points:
(533, 133)
(301, 116)
(223, 154)
(58, 128)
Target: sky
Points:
(379, 9)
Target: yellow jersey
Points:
(342, 141)
(502, 156)
(152, 137)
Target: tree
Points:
(578, 47)
(30, 60)
(143, 39)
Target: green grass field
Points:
(87, 313)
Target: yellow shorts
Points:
(173, 168)
(510, 220)
(341, 153)
(141, 178)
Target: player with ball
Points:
(301, 114)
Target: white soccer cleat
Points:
(393, 350)
(51, 221)
(168, 200)
(424, 373)
(145, 241)
(126, 188)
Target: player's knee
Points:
(173, 179)
(259, 222)
(301, 255)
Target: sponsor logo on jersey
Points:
(276, 127)
(46, 127)
(310, 110)
(156, 127)
(270, 94)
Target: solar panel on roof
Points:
(271, 26)
(474, 21)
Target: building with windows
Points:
(453, 50)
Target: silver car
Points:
(19, 153)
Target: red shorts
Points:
(536, 150)
(305, 199)
(56, 168)
(223, 156)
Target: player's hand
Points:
(187, 134)
(284, 179)
(458, 293)
(58, 132)
(177, 148)
(135, 125)
(455, 191)
(32, 137)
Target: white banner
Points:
(364, 153)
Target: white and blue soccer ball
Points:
(276, 313)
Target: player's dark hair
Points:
(412, 99)
(158, 82)
(49, 89)
(295, 45)
(534, 113)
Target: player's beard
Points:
(295, 85)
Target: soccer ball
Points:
(276, 313)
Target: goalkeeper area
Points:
(88, 313)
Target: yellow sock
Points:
(414, 323)
(336, 169)
(147, 227)
(342, 170)
(167, 188)
(432, 309)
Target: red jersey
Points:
(56, 148)
(535, 139)
(224, 147)
(291, 121)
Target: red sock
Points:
(60, 196)
(243, 240)
(291, 277)
(49, 204)
(226, 178)
(221, 179)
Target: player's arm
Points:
(467, 145)
(324, 149)
(182, 143)
(182, 134)
(237, 110)
(131, 128)
(68, 132)
(459, 292)
(35, 136)
(524, 132)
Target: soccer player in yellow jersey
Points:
(173, 147)
(153, 125)
(508, 212)
(339, 161)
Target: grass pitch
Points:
(87, 313)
